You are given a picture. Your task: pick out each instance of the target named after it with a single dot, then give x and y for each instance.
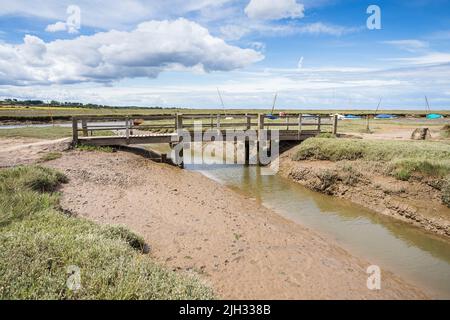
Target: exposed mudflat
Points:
(16, 151)
(191, 223)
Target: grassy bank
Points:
(44, 132)
(402, 159)
(37, 132)
(40, 248)
(375, 150)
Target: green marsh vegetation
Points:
(50, 132)
(39, 243)
(405, 160)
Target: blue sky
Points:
(177, 53)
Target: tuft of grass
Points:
(50, 156)
(84, 147)
(120, 232)
(402, 174)
(34, 178)
(40, 247)
(24, 190)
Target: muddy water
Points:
(415, 255)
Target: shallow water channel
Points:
(415, 255)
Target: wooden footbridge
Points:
(164, 128)
(150, 129)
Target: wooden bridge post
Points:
(260, 128)
(179, 121)
(261, 121)
(335, 124)
(319, 120)
(179, 126)
(84, 127)
(218, 122)
(74, 131)
(300, 116)
(127, 129)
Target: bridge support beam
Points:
(247, 151)
(261, 117)
(247, 139)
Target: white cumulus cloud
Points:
(151, 48)
(274, 10)
(56, 27)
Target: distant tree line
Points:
(54, 103)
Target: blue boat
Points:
(271, 116)
(385, 116)
(351, 116)
(434, 116)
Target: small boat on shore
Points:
(339, 116)
(433, 116)
(385, 116)
(270, 115)
(351, 117)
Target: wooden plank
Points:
(115, 141)
(102, 129)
